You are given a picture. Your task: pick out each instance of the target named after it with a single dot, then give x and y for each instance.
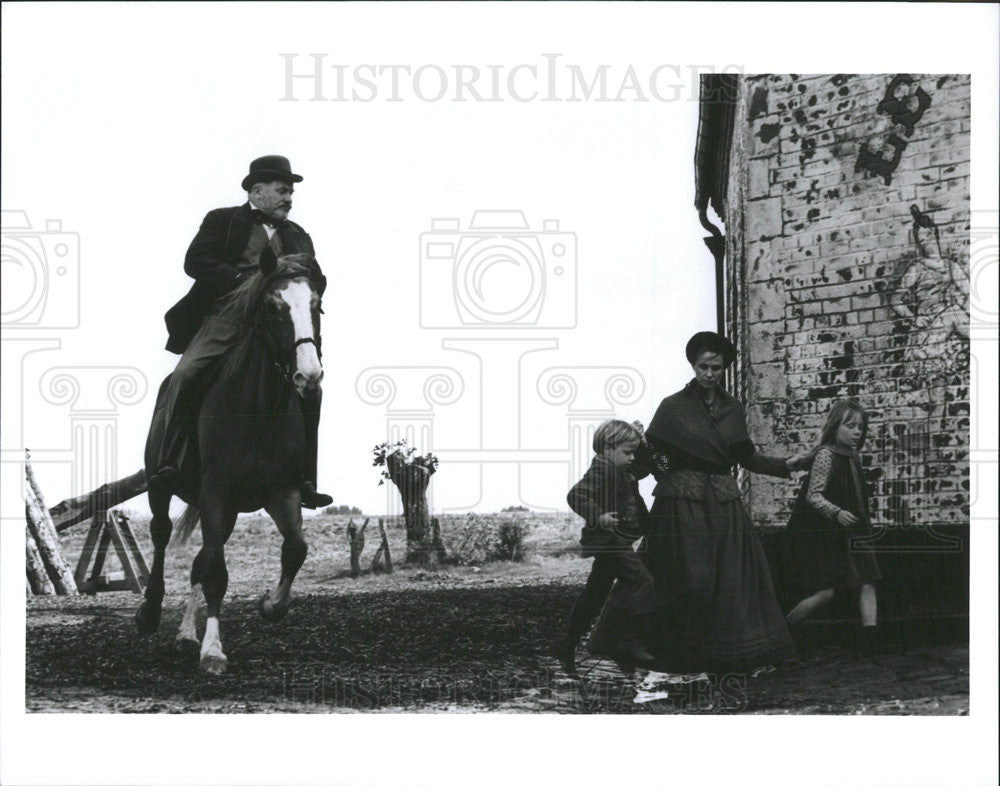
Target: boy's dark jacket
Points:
(605, 488)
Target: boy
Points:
(615, 516)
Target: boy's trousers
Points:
(634, 578)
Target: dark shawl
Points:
(691, 438)
(683, 429)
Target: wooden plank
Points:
(88, 587)
(123, 556)
(382, 551)
(44, 532)
(102, 552)
(112, 527)
(133, 545)
(113, 586)
(88, 549)
(72, 511)
(385, 546)
(39, 582)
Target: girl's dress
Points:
(824, 553)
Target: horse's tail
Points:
(186, 523)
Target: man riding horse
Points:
(227, 249)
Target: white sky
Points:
(129, 144)
(129, 122)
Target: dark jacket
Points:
(211, 261)
(605, 488)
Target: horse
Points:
(250, 435)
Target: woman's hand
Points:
(639, 427)
(799, 461)
(607, 521)
(846, 518)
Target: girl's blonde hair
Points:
(614, 432)
(839, 412)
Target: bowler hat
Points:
(712, 342)
(267, 169)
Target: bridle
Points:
(286, 370)
(270, 342)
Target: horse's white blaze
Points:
(188, 629)
(211, 645)
(309, 371)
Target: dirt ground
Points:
(462, 638)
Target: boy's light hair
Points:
(614, 432)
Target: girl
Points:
(830, 530)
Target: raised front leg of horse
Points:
(217, 522)
(287, 514)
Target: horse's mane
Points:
(243, 307)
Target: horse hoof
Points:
(187, 648)
(271, 612)
(213, 664)
(147, 618)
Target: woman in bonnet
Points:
(718, 611)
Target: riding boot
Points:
(311, 498)
(165, 474)
(179, 445)
(176, 455)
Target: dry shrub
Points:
(485, 539)
(510, 540)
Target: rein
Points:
(258, 338)
(285, 371)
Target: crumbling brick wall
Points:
(847, 274)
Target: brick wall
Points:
(847, 274)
